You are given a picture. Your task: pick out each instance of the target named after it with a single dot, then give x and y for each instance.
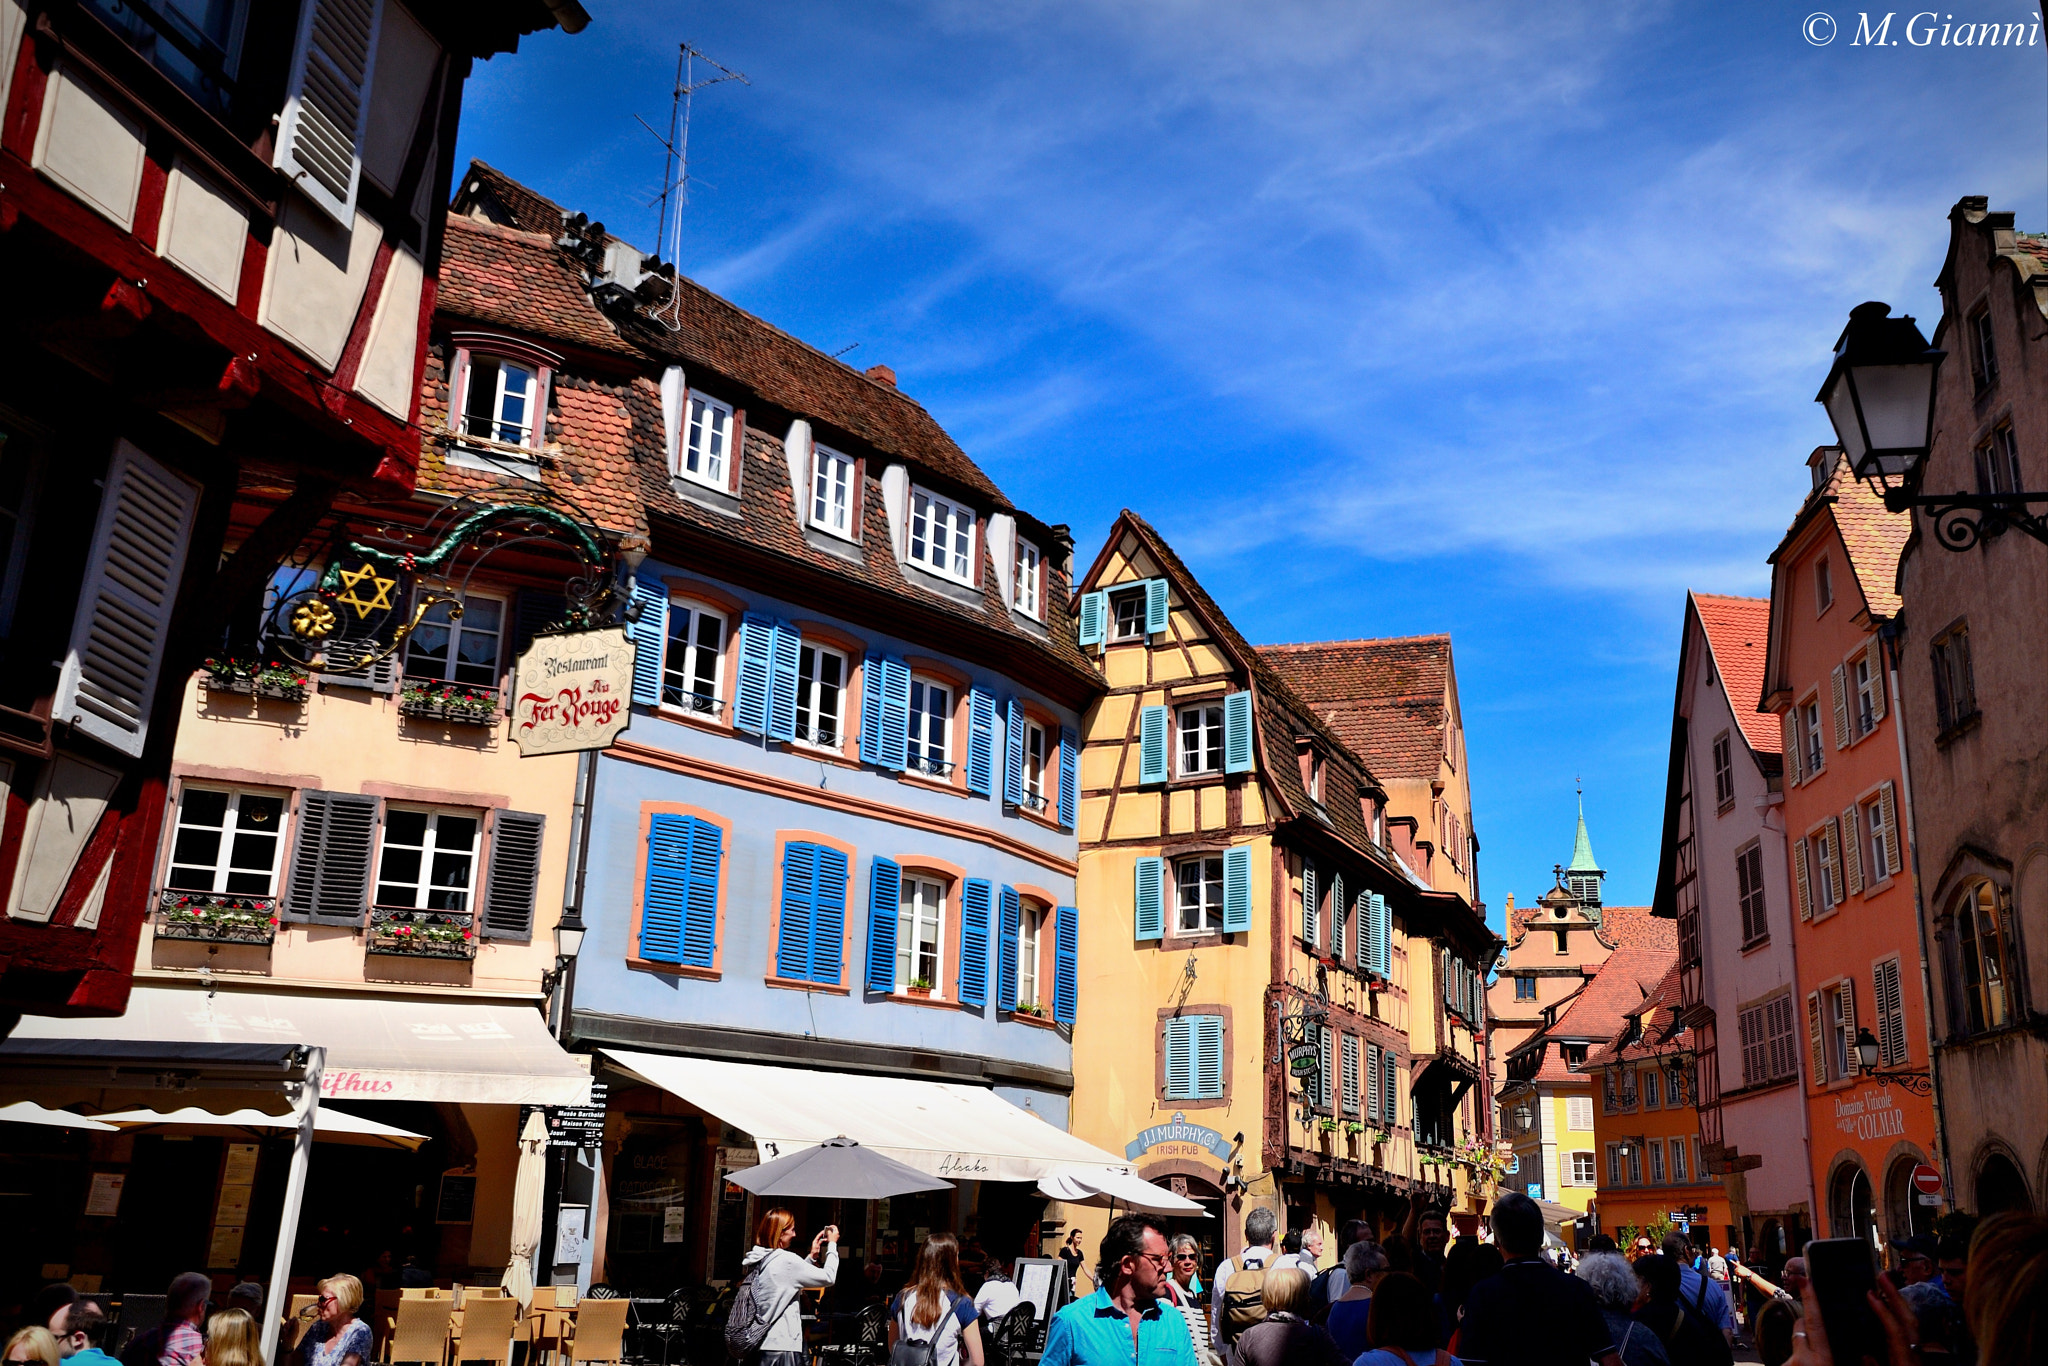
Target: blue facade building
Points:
(837, 841)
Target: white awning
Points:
(329, 1126)
(378, 1048)
(1106, 1187)
(959, 1132)
(28, 1112)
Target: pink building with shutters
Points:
(1856, 937)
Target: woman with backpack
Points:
(933, 1323)
(773, 1279)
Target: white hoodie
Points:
(782, 1274)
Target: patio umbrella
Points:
(28, 1112)
(528, 1188)
(837, 1168)
(1109, 1188)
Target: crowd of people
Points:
(69, 1329)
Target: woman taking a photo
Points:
(779, 1275)
(934, 1307)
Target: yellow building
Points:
(1280, 1010)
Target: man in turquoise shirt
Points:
(1124, 1323)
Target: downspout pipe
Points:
(1890, 633)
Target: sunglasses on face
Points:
(1184, 1257)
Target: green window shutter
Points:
(1152, 745)
(1155, 607)
(1094, 616)
(1208, 1031)
(1237, 891)
(1348, 1098)
(1237, 733)
(1372, 1082)
(1311, 904)
(1151, 893)
(1180, 1059)
(1390, 1096)
(1337, 909)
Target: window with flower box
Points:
(451, 662)
(426, 879)
(226, 852)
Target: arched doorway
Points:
(2000, 1187)
(1903, 1212)
(1850, 1208)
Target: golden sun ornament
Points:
(312, 620)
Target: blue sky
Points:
(1502, 320)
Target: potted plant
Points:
(1034, 1010)
(920, 986)
(282, 681)
(217, 917)
(1353, 1127)
(1327, 1124)
(423, 934)
(441, 701)
(228, 674)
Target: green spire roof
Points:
(1582, 848)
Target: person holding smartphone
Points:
(779, 1278)
(1852, 1314)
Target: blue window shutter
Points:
(828, 925)
(1094, 615)
(1208, 1057)
(975, 896)
(667, 888)
(1151, 916)
(1376, 934)
(895, 742)
(782, 661)
(648, 634)
(750, 693)
(1155, 606)
(1013, 753)
(885, 902)
(700, 913)
(1237, 733)
(871, 711)
(1067, 791)
(1180, 1059)
(1237, 891)
(1152, 745)
(1009, 923)
(1066, 967)
(795, 931)
(981, 742)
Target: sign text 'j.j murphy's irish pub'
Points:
(572, 692)
(1178, 1130)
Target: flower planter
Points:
(215, 918)
(917, 991)
(255, 680)
(421, 934)
(437, 708)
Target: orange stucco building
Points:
(1857, 946)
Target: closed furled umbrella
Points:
(528, 1188)
(838, 1167)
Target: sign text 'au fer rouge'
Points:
(572, 692)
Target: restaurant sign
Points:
(572, 692)
(1178, 1131)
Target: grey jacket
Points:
(782, 1274)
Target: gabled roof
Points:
(1617, 990)
(489, 191)
(1662, 1032)
(1737, 631)
(1387, 698)
(509, 278)
(1870, 538)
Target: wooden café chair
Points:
(598, 1330)
(420, 1332)
(486, 1333)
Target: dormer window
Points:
(500, 402)
(1030, 595)
(941, 536)
(498, 398)
(833, 481)
(707, 441)
(1129, 607)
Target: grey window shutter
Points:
(330, 873)
(534, 611)
(108, 683)
(379, 677)
(514, 878)
(327, 102)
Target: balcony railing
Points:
(931, 768)
(702, 703)
(1034, 801)
(407, 933)
(216, 917)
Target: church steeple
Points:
(1584, 876)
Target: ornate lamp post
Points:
(1879, 394)
(1866, 1046)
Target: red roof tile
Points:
(519, 280)
(1738, 633)
(1617, 989)
(1634, 927)
(1386, 697)
(1873, 538)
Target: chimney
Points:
(882, 374)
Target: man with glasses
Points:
(1126, 1319)
(1916, 1259)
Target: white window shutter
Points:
(118, 638)
(1875, 655)
(1791, 749)
(1841, 687)
(327, 102)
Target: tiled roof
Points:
(1617, 989)
(1661, 1034)
(520, 281)
(1738, 633)
(1386, 698)
(487, 190)
(1633, 927)
(1873, 538)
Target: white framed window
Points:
(1198, 893)
(227, 841)
(428, 862)
(1201, 739)
(941, 535)
(1823, 587)
(1635, 1164)
(1827, 887)
(449, 649)
(1653, 1087)
(1656, 1161)
(1724, 771)
(707, 438)
(1678, 1155)
(693, 662)
(1841, 1027)
(1869, 688)
(1816, 748)
(1037, 750)
(832, 489)
(931, 728)
(1613, 1165)
(820, 696)
(500, 399)
(1582, 1169)
(1028, 598)
(1880, 837)
(920, 928)
(1129, 610)
(1030, 925)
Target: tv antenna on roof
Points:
(675, 166)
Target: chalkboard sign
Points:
(1044, 1284)
(457, 1204)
